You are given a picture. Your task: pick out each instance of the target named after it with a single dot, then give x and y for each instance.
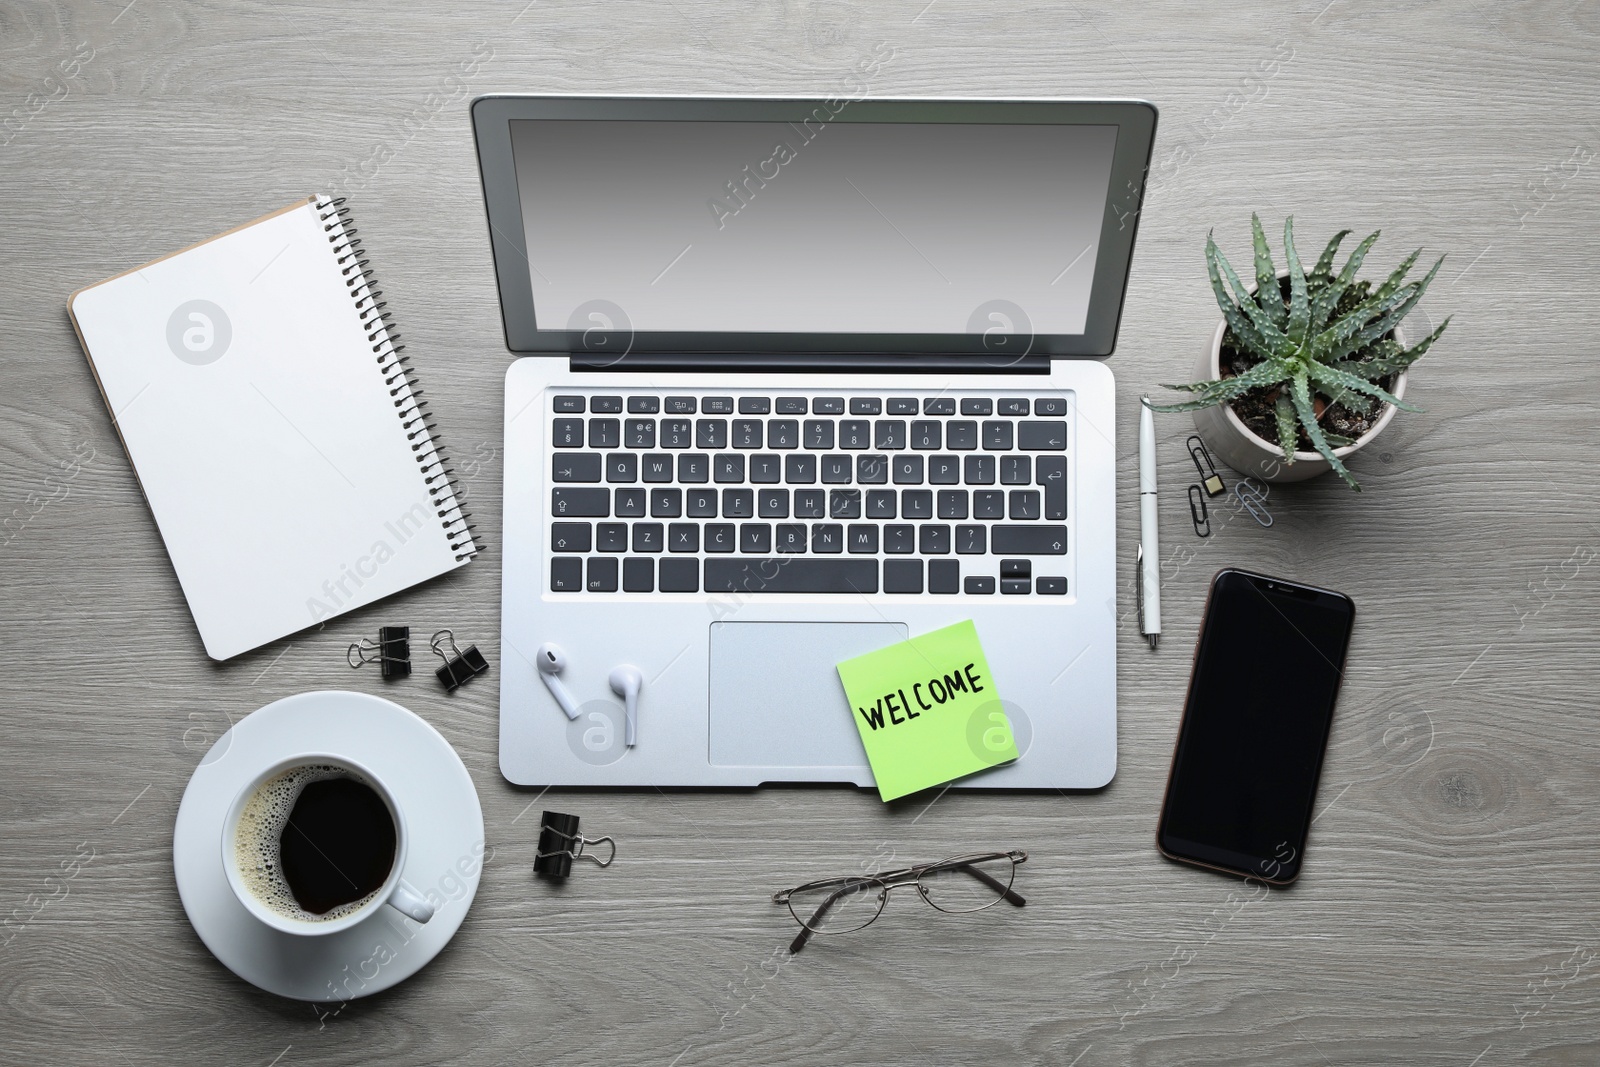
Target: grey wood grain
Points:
(1447, 911)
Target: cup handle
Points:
(408, 902)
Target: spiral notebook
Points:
(278, 433)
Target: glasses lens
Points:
(967, 885)
(838, 908)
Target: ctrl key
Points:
(566, 574)
(602, 574)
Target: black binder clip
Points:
(1202, 463)
(560, 844)
(1198, 511)
(392, 651)
(460, 666)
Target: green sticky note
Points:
(927, 710)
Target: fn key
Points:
(566, 574)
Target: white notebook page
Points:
(278, 471)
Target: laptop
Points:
(799, 379)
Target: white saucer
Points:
(446, 849)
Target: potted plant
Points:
(1311, 360)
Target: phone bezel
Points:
(1200, 854)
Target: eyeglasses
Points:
(956, 885)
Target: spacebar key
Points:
(791, 575)
(1028, 540)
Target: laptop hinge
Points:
(812, 363)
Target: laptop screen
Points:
(799, 227)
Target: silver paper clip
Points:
(1253, 497)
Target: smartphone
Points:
(1255, 725)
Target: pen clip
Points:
(1138, 583)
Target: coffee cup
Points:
(315, 844)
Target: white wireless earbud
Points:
(552, 661)
(626, 681)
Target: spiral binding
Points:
(426, 444)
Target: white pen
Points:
(1149, 559)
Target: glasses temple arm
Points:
(805, 928)
(1009, 895)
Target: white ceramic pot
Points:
(1230, 441)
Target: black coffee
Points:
(337, 846)
(314, 843)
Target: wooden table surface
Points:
(1447, 914)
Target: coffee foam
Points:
(257, 844)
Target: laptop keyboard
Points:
(852, 494)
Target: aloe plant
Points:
(1330, 336)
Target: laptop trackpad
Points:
(776, 700)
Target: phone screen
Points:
(1260, 706)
